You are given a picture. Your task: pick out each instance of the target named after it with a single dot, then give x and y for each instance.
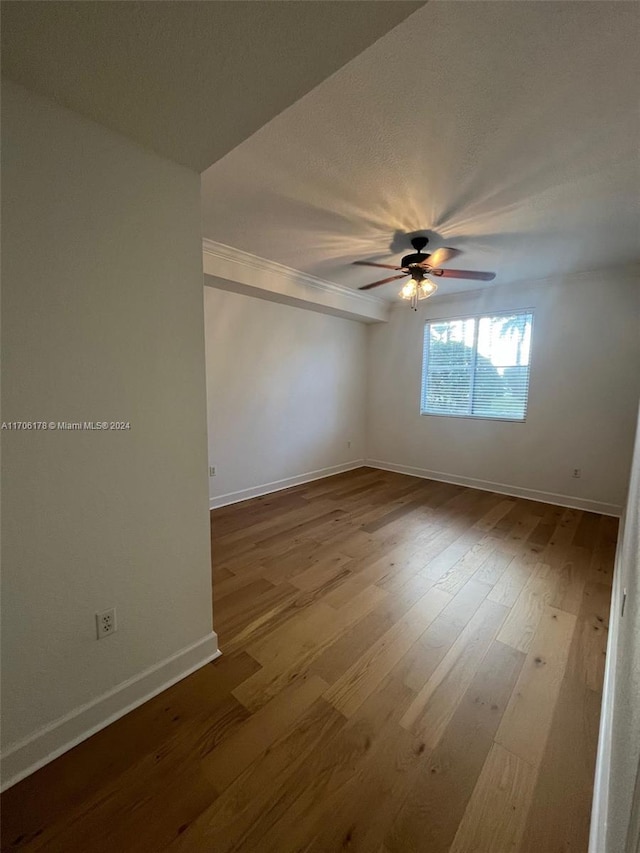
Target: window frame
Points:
(477, 318)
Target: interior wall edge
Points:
(501, 488)
(24, 758)
(600, 803)
(615, 814)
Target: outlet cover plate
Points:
(106, 623)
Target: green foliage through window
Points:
(477, 367)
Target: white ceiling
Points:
(189, 80)
(507, 130)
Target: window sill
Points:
(473, 417)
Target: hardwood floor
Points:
(407, 666)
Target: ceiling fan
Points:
(419, 265)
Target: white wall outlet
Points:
(212, 470)
(106, 623)
(577, 473)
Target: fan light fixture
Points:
(417, 289)
(418, 265)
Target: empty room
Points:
(320, 388)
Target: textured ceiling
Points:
(507, 130)
(189, 80)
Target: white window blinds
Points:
(477, 366)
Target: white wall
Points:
(584, 387)
(102, 320)
(285, 390)
(616, 807)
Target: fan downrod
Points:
(419, 243)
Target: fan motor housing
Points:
(419, 256)
(416, 258)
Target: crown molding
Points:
(267, 279)
(228, 253)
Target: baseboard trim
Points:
(29, 755)
(278, 485)
(501, 488)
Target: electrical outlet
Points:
(349, 444)
(212, 470)
(577, 473)
(106, 623)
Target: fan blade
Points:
(440, 256)
(384, 281)
(371, 264)
(480, 276)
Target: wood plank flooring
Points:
(407, 666)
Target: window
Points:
(477, 367)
